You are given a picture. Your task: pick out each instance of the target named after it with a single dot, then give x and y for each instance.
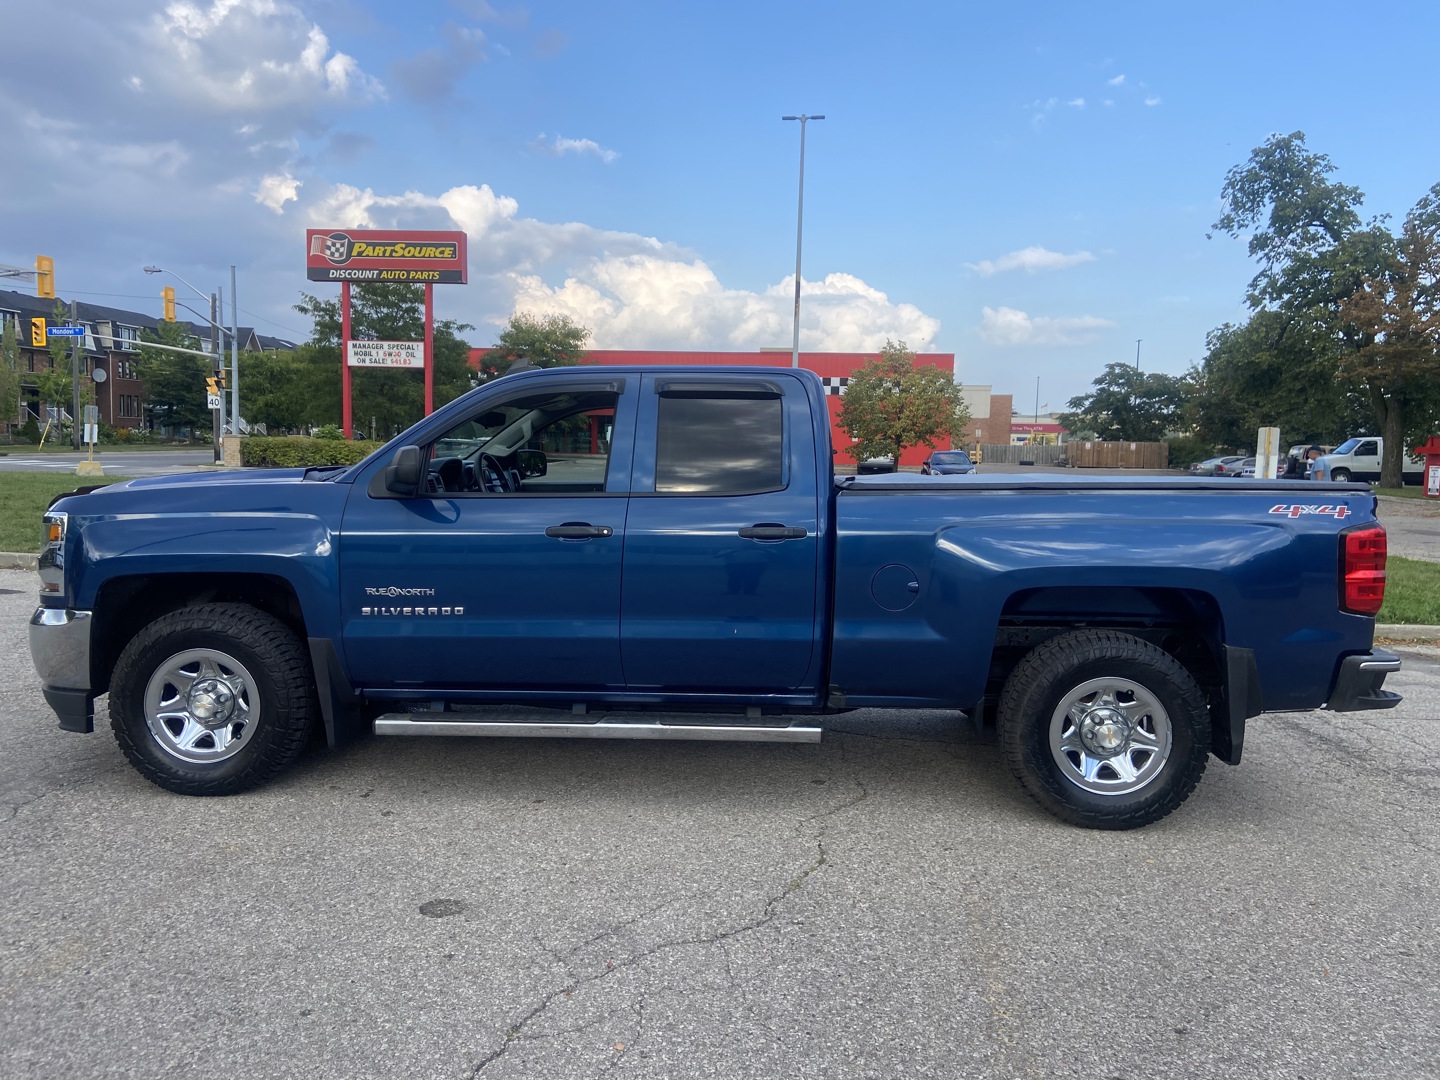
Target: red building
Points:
(834, 369)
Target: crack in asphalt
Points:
(769, 911)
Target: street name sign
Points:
(65, 331)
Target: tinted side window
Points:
(1367, 449)
(719, 445)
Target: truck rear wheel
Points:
(212, 700)
(1103, 729)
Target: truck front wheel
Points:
(1103, 729)
(212, 700)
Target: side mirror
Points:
(402, 475)
(531, 463)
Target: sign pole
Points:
(429, 348)
(345, 357)
(77, 352)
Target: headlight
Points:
(51, 563)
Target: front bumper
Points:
(1358, 685)
(60, 650)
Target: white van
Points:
(1359, 459)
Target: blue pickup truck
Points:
(667, 553)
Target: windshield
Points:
(1346, 447)
(951, 457)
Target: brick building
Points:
(111, 345)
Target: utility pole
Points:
(217, 366)
(77, 353)
(234, 354)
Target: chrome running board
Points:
(604, 726)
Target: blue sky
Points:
(1028, 186)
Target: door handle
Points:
(579, 530)
(773, 532)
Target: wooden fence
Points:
(1118, 455)
(1003, 454)
(1080, 454)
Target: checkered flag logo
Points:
(835, 384)
(335, 247)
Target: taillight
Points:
(1362, 569)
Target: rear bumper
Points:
(1359, 683)
(60, 650)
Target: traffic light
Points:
(214, 384)
(168, 293)
(37, 332)
(44, 277)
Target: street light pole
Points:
(217, 312)
(799, 235)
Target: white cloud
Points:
(1152, 101)
(240, 55)
(1118, 80)
(1076, 103)
(1007, 326)
(276, 190)
(560, 146)
(1032, 260)
(650, 301)
(632, 291)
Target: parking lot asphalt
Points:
(884, 904)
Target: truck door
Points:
(505, 572)
(1367, 461)
(722, 542)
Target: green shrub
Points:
(30, 431)
(298, 452)
(328, 431)
(1185, 450)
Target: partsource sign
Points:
(385, 255)
(387, 354)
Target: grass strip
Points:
(23, 498)
(1412, 592)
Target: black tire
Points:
(247, 706)
(1340, 476)
(1103, 729)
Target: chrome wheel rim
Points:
(201, 706)
(1110, 736)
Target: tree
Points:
(890, 404)
(1129, 405)
(174, 382)
(9, 373)
(1316, 255)
(393, 399)
(1395, 317)
(1270, 372)
(542, 340)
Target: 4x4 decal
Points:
(1294, 510)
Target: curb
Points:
(14, 560)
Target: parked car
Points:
(1360, 459)
(947, 463)
(876, 465)
(1211, 466)
(1243, 468)
(1121, 631)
